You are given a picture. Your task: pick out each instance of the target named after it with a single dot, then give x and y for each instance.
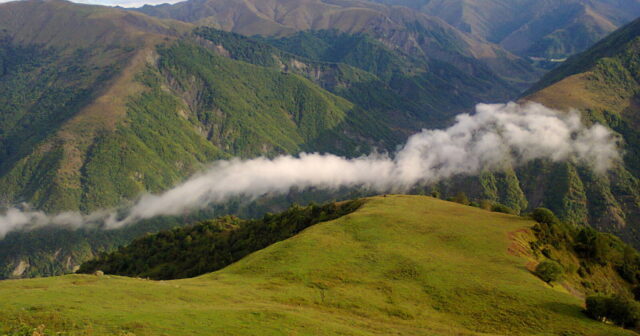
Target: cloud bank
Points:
(494, 136)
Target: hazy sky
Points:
(123, 3)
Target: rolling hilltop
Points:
(405, 265)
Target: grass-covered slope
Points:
(404, 265)
(210, 245)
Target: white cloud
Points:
(494, 135)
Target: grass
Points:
(400, 265)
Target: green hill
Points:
(404, 265)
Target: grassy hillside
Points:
(210, 245)
(400, 265)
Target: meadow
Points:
(400, 265)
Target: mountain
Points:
(90, 124)
(135, 104)
(66, 73)
(399, 28)
(532, 28)
(178, 253)
(397, 265)
(100, 105)
(604, 85)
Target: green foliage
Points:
(621, 310)
(251, 110)
(40, 90)
(549, 271)
(153, 151)
(210, 245)
(589, 246)
(544, 216)
(498, 207)
(461, 198)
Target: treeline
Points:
(211, 245)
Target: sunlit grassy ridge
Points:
(405, 265)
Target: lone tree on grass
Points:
(549, 271)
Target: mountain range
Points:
(104, 109)
(532, 28)
(104, 104)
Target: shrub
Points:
(619, 309)
(544, 216)
(498, 207)
(549, 271)
(597, 307)
(461, 198)
(486, 204)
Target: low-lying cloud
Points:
(496, 135)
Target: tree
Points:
(549, 271)
(597, 307)
(461, 198)
(499, 207)
(544, 216)
(624, 311)
(620, 309)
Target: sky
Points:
(122, 3)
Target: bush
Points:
(621, 310)
(544, 216)
(549, 271)
(498, 207)
(486, 204)
(461, 198)
(597, 307)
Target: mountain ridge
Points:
(543, 29)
